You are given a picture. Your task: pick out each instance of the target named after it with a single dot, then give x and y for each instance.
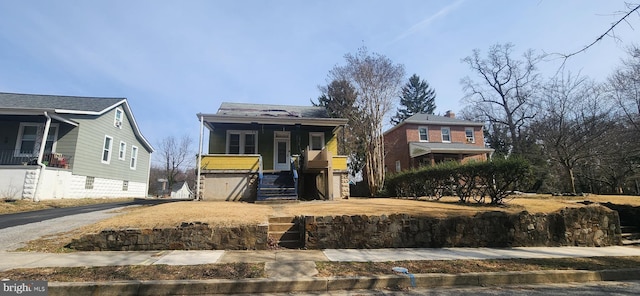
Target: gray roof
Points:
(265, 110)
(50, 102)
(422, 148)
(439, 120)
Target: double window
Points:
(30, 138)
(242, 142)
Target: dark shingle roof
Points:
(29, 101)
(265, 110)
(440, 120)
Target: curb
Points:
(279, 285)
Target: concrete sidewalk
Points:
(294, 270)
(11, 260)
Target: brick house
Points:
(426, 139)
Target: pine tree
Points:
(417, 97)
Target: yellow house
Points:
(259, 152)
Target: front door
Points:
(281, 151)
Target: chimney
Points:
(449, 114)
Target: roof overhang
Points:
(211, 119)
(419, 148)
(35, 112)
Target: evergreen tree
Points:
(417, 97)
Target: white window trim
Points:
(133, 163)
(313, 134)
(109, 150)
(36, 151)
(427, 131)
(118, 122)
(473, 135)
(122, 151)
(398, 166)
(242, 134)
(442, 134)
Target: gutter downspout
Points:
(198, 193)
(43, 143)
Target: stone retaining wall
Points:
(585, 226)
(188, 236)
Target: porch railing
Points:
(14, 157)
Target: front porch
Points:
(314, 175)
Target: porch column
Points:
(198, 197)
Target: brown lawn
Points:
(7, 207)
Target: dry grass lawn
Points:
(238, 213)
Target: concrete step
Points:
(285, 235)
(290, 244)
(282, 219)
(278, 227)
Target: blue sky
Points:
(173, 59)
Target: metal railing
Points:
(14, 157)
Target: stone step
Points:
(290, 244)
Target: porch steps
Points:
(277, 187)
(630, 235)
(286, 232)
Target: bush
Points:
(495, 179)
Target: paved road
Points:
(570, 289)
(17, 219)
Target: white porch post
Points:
(43, 143)
(198, 193)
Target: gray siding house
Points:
(70, 147)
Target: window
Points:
(125, 185)
(122, 151)
(424, 134)
(88, 182)
(117, 122)
(30, 137)
(398, 166)
(106, 149)
(242, 142)
(134, 157)
(446, 135)
(470, 135)
(316, 141)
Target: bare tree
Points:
(173, 156)
(504, 92)
(573, 124)
(377, 82)
(624, 87)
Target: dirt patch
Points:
(325, 269)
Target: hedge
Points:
(475, 181)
